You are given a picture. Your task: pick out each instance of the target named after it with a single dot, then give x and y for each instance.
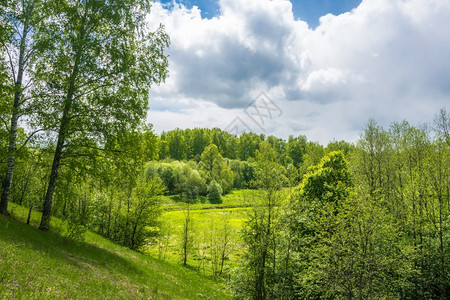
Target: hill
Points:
(36, 264)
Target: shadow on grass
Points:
(63, 249)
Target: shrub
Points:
(214, 192)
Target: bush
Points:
(214, 192)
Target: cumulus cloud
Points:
(386, 59)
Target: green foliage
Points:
(97, 75)
(248, 144)
(296, 149)
(143, 211)
(22, 44)
(327, 182)
(176, 144)
(77, 220)
(314, 152)
(346, 244)
(187, 235)
(259, 234)
(221, 241)
(270, 174)
(216, 168)
(376, 227)
(180, 178)
(214, 192)
(343, 146)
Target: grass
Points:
(236, 198)
(36, 265)
(233, 210)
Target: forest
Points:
(267, 217)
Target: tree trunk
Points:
(45, 220)
(29, 215)
(12, 147)
(186, 236)
(108, 229)
(65, 120)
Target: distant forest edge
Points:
(366, 220)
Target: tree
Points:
(343, 146)
(374, 160)
(438, 206)
(248, 144)
(313, 154)
(441, 125)
(28, 185)
(199, 141)
(296, 149)
(144, 210)
(317, 204)
(327, 182)
(98, 74)
(211, 159)
(220, 244)
(214, 192)
(177, 144)
(187, 238)
(216, 168)
(22, 41)
(259, 234)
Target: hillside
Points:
(36, 264)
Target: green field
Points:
(36, 264)
(206, 218)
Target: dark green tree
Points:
(214, 192)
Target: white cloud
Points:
(386, 59)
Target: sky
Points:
(319, 68)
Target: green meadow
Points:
(37, 265)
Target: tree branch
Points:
(29, 138)
(10, 60)
(4, 122)
(93, 89)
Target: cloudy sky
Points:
(324, 66)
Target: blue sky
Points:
(307, 10)
(382, 59)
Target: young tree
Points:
(187, 238)
(220, 244)
(144, 211)
(259, 233)
(98, 74)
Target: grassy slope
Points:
(35, 264)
